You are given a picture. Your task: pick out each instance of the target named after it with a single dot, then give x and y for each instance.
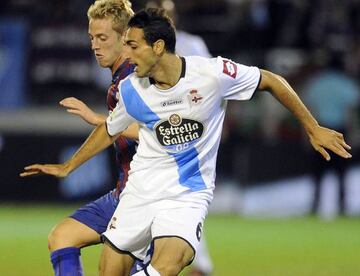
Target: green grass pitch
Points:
(238, 246)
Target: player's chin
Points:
(142, 73)
(139, 74)
(102, 63)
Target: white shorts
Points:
(136, 222)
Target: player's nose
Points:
(126, 53)
(94, 45)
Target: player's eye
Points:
(103, 38)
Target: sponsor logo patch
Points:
(230, 68)
(171, 102)
(178, 134)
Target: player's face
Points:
(106, 43)
(139, 53)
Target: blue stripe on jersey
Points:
(135, 105)
(187, 161)
(189, 170)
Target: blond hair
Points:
(119, 10)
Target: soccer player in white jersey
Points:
(180, 105)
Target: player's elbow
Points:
(269, 80)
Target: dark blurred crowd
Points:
(302, 40)
(231, 27)
(243, 29)
(251, 23)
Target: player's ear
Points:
(159, 47)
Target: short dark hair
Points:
(156, 24)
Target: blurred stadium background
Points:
(260, 222)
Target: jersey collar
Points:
(122, 70)
(182, 74)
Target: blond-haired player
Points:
(107, 23)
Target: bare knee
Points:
(71, 233)
(169, 265)
(56, 238)
(167, 269)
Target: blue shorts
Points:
(97, 213)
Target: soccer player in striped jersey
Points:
(179, 104)
(107, 22)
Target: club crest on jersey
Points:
(177, 134)
(230, 68)
(175, 120)
(194, 97)
(112, 223)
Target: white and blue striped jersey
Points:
(180, 127)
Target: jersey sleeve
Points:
(237, 81)
(118, 119)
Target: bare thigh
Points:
(71, 233)
(171, 255)
(114, 262)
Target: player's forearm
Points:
(284, 93)
(98, 140)
(99, 119)
(132, 132)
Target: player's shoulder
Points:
(203, 62)
(199, 64)
(216, 66)
(133, 82)
(197, 60)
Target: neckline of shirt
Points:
(182, 75)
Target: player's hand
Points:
(58, 170)
(75, 106)
(322, 138)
